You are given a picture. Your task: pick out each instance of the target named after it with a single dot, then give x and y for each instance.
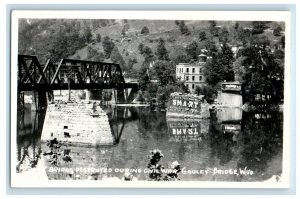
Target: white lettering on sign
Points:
(174, 102)
(195, 104)
(190, 131)
(191, 104)
(230, 127)
(232, 86)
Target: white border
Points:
(162, 15)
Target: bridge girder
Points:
(68, 73)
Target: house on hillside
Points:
(192, 74)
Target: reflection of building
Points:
(231, 121)
(192, 74)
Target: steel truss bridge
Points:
(63, 74)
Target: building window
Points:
(51, 134)
(67, 135)
(78, 134)
(200, 70)
(193, 86)
(200, 78)
(67, 151)
(193, 78)
(187, 70)
(65, 127)
(193, 70)
(187, 78)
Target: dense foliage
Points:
(258, 61)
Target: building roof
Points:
(235, 82)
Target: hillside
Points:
(66, 38)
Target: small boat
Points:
(187, 106)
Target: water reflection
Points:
(230, 139)
(29, 128)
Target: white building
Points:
(192, 74)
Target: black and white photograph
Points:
(150, 99)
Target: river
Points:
(206, 149)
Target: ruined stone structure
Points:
(82, 163)
(82, 123)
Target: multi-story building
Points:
(192, 74)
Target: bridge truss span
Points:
(63, 74)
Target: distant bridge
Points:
(63, 74)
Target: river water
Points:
(206, 149)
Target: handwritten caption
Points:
(208, 171)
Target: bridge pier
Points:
(50, 96)
(93, 94)
(39, 101)
(21, 101)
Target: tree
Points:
(236, 26)
(147, 53)
(183, 28)
(108, 46)
(282, 41)
(202, 36)
(243, 35)
(91, 52)
(125, 29)
(224, 35)
(98, 37)
(151, 90)
(219, 68)
(259, 26)
(181, 59)
(192, 50)
(99, 57)
(141, 48)
(165, 71)
(279, 54)
(207, 91)
(261, 41)
(277, 31)
(161, 52)
(88, 34)
(145, 30)
(131, 62)
(211, 47)
(213, 29)
(144, 78)
(263, 74)
(239, 69)
(116, 57)
(123, 32)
